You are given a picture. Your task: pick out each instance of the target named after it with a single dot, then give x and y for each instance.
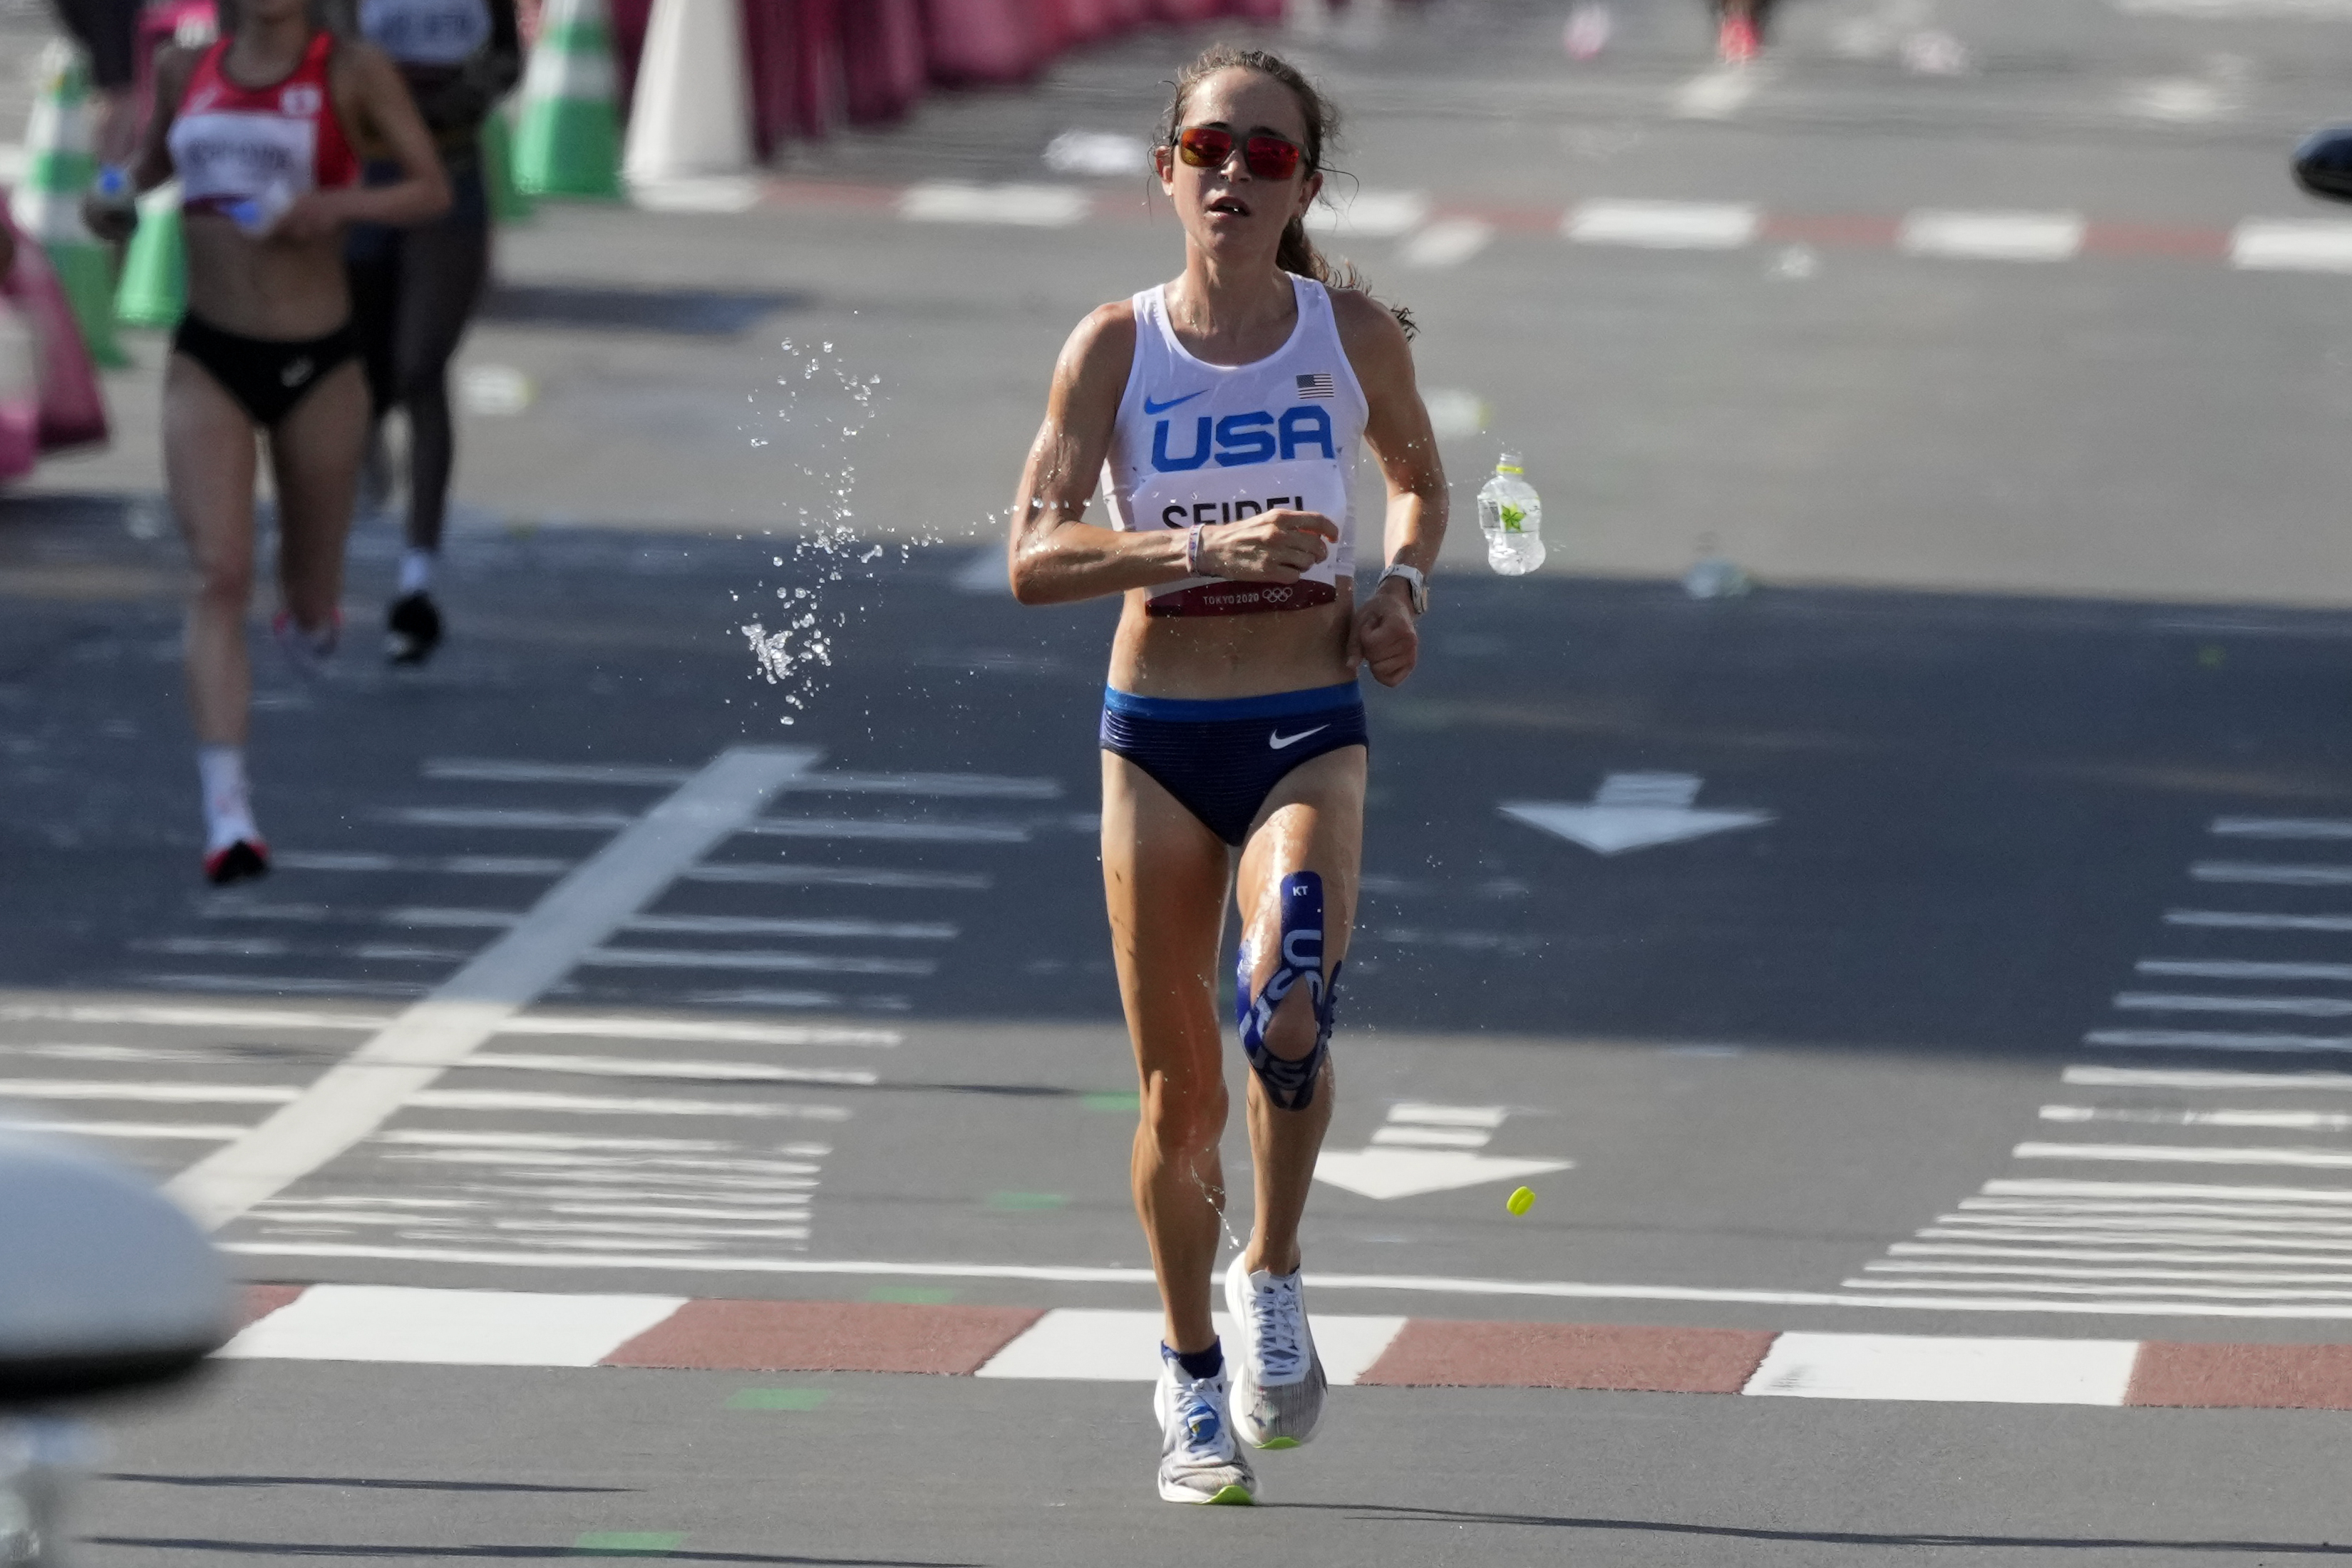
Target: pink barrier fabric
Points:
(978, 42)
(20, 394)
(797, 68)
(882, 57)
(73, 410)
(1185, 11)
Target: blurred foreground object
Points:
(106, 1285)
(60, 165)
(2323, 165)
(72, 410)
(569, 142)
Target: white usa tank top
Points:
(1201, 443)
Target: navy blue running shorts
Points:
(1221, 758)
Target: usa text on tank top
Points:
(1198, 443)
(232, 143)
(426, 32)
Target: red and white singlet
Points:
(1201, 443)
(232, 143)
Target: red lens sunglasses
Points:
(1208, 147)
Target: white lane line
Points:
(484, 770)
(753, 925)
(779, 1209)
(1021, 205)
(2125, 1225)
(2248, 919)
(622, 1067)
(2292, 245)
(1436, 1285)
(192, 1132)
(2166, 1153)
(1095, 1345)
(611, 1105)
(495, 816)
(2189, 1077)
(1486, 1116)
(843, 877)
(2038, 1271)
(442, 865)
(623, 1228)
(559, 1143)
(2269, 873)
(2282, 827)
(1368, 214)
(2048, 1187)
(1432, 1137)
(283, 985)
(887, 831)
(2208, 1292)
(2061, 1208)
(1448, 242)
(2220, 1240)
(353, 1099)
(1992, 236)
(1717, 94)
(2213, 1040)
(1890, 1366)
(197, 1017)
(467, 1328)
(2100, 1249)
(1663, 226)
(2292, 1006)
(688, 1030)
(2242, 969)
(767, 962)
(938, 786)
(149, 1093)
(2275, 1121)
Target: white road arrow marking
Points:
(1390, 1172)
(1635, 811)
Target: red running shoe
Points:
(246, 858)
(1736, 43)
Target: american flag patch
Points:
(1320, 384)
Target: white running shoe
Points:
(1199, 1460)
(1277, 1377)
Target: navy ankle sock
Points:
(1203, 1364)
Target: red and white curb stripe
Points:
(1435, 233)
(528, 1329)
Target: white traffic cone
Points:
(60, 168)
(690, 123)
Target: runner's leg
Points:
(315, 455)
(1313, 821)
(209, 467)
(443, 266)
(1164, 879)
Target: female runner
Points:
(414, 290)
(261, 129)
(1224, 408)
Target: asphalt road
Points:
(2027, 752)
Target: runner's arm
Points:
(1396, 428)
(367, 82)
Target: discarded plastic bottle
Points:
(1715, 576)
(1511, 515)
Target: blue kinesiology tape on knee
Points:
(1290, 1084)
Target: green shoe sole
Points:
(1279, 1443)
(1232, 1497)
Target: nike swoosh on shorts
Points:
(1150, 409)
(1277, 742)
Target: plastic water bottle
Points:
(1511, 515)
(255, 214)
(1715, 576)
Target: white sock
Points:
(228, 802)
(416, 569)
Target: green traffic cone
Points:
(507, 202)
(569, 143)
(154, 291)
(60, 168)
